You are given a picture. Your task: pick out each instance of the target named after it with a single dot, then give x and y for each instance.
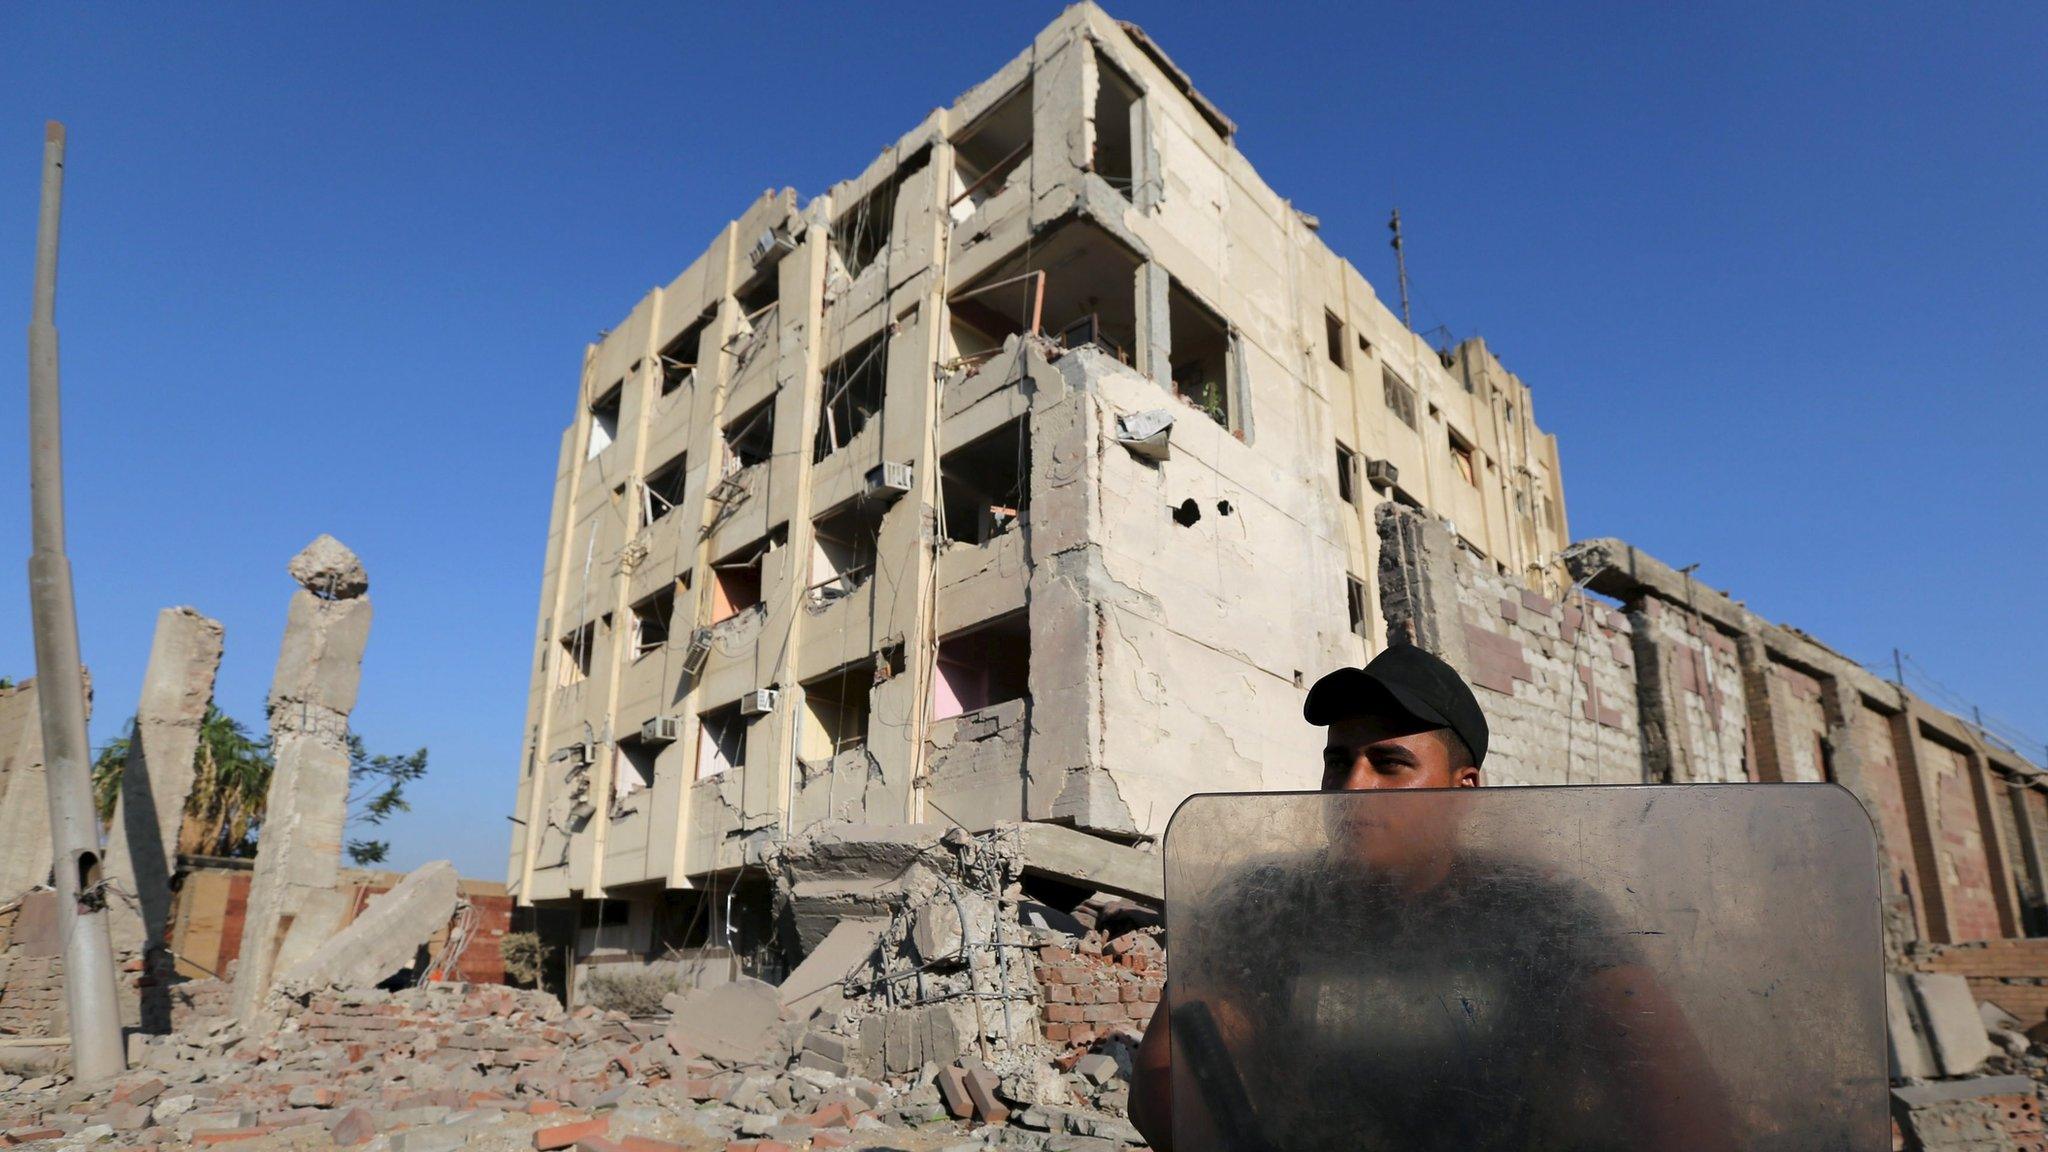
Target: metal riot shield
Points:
(1673, 968)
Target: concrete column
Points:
(1840, 702)
(2031, 848)
(294, 900)
(1155, 332)
(1905, 725)
(1998, 854)
(1419, 584)
(142, 844)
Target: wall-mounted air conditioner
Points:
(698, 652)
(759, 702)
(662, 730)
(890, 476)
(1382, 473)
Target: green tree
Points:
(231, 786)
(376, 791)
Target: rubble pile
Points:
(443, 1066)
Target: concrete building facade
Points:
(1028, 475)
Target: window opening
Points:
(1399, 396)
(721, 741)
(750, 439)
(662, 491)
(1333, 339)
(604, 419)
(1078, 283)
(1347, 474)
(844, 543)
(1461, 454)
(853, 387)
(981, 667)
(679, 358)
(574, 665)
(1116, 100)
(632, 766)
(985, 486)
(651, 618)
(989, 151)
(1354, 603)
(736, 580)
(1199, 359)
(836, 707)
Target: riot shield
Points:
(1583, 968)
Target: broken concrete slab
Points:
(1910, 1056)
(1947, 1092)
(384, 939)
(1948, 1015)
(24, 793)
(816, 984)
(735, 1023)
(1065, 854)
(156, 780)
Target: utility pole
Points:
(89, 997)
(1401, 268)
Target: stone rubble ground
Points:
(450, 1066)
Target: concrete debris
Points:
(327, 569)
(815, 985)
(24, 795)
(294, 901)
(442, 1067)
(142, 841)
(385, 939)
(1947, 1018)
(737, 1023)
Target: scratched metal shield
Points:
(1579, 968)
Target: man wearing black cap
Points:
(1396, 1068)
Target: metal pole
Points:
(96, 1047)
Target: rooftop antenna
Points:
(1401, 267)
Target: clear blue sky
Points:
(1778, 279)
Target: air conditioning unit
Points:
(584, 753)
(759, 702)
(890, 476)
(1382, 473)
(662, 730)
(698, 651)
(769, 240)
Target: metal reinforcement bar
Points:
(89, 994)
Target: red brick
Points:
(29, 1135)
(650, 1144)
(563, 1135)
(827, 1138)
(543, 1107)
(757, 1146)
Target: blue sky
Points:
(1777, 277)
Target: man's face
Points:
(1366, 752)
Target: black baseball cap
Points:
(1406, 681)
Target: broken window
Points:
(853, 390)
(651, 621)
(1199, 360)
(1364, 345)
(1347, 474)
(604, 419)
(836, 712)
(843, 547)
(985, 486)
(862, 231)
(633, 766)
(1116, 101)
(1079, 284)
(679, 359)
(1461, 455)
(993, 147)
(721, 741)
(1399, 396)
(574, 664)
(984, 666)
(662, 491)
(750, 439)
(1354, 603)
(736, 581)
(1333, 339)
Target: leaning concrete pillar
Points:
(25, 852)
(1419, 584)
(142, 845)
(294, 899)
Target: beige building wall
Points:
(983, 605)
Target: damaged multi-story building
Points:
(1027, 475)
